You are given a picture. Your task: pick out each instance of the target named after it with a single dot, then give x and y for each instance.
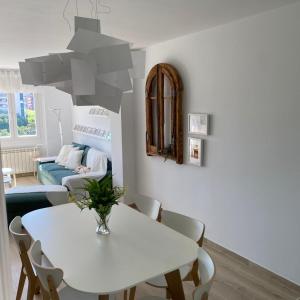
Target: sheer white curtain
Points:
(5, 270)
(10, 82)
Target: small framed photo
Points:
(198, 124)
(195, 151)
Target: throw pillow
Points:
(96, 161)
(74, 159)
(63, 154)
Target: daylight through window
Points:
(17, 115)
(4, 116)
(25, 114)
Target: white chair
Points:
(51, 279)
(146, 205)
(192, 228)
(207, 272)
(23, 242)
(151, 208)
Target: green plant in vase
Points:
(100, 196)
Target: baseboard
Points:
(252, 265)
(24, 174)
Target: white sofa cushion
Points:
(97, 161)
(74, 159)
(63, 154)
(76, 182)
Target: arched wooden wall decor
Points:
(164, 134)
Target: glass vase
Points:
(102, 224)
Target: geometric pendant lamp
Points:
(97, 71)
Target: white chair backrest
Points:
(207, 273)
(189, 227)
(148, 206)
(43, 272)
(18, 233)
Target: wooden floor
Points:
(24, 180)
(27, 180)
(236, 279)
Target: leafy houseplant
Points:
(100, 196)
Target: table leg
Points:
(175, 285)
(103, 297)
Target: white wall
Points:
(54, 98)
(128, 144)
(112, 123)
(247, 75)
(81, 116)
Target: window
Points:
(4, 116)
(18, 118)
(25, 114)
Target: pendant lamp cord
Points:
(76, 3)
(92, 8)
(102, 9)
(96, 12)
(64, 15)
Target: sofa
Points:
(50, 172)
(24, 199)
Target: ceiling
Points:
(31, 28)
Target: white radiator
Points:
(20, 159)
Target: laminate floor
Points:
(24, 181)
(236, 279)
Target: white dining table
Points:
(138, 248)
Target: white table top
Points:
(137, 249)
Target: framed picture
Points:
(195, 151)
(198, 124)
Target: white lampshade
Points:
(31, 73)
(96, 72)
(37, 59)
(83, 77)
(138, 61)
(111, 59)
(119, 79)
(84, 41)
(106, 96)
(55, 70)
(65, 86)
(87, 23)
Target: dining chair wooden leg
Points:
(104, 297)
(31, 290)
(125, 295)
(204, 297)
(37, 287)
(45, 294)
(132, 293)
(168, 295)
(21, 284)
(194, 273)
(29, 271)
(175, 285)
